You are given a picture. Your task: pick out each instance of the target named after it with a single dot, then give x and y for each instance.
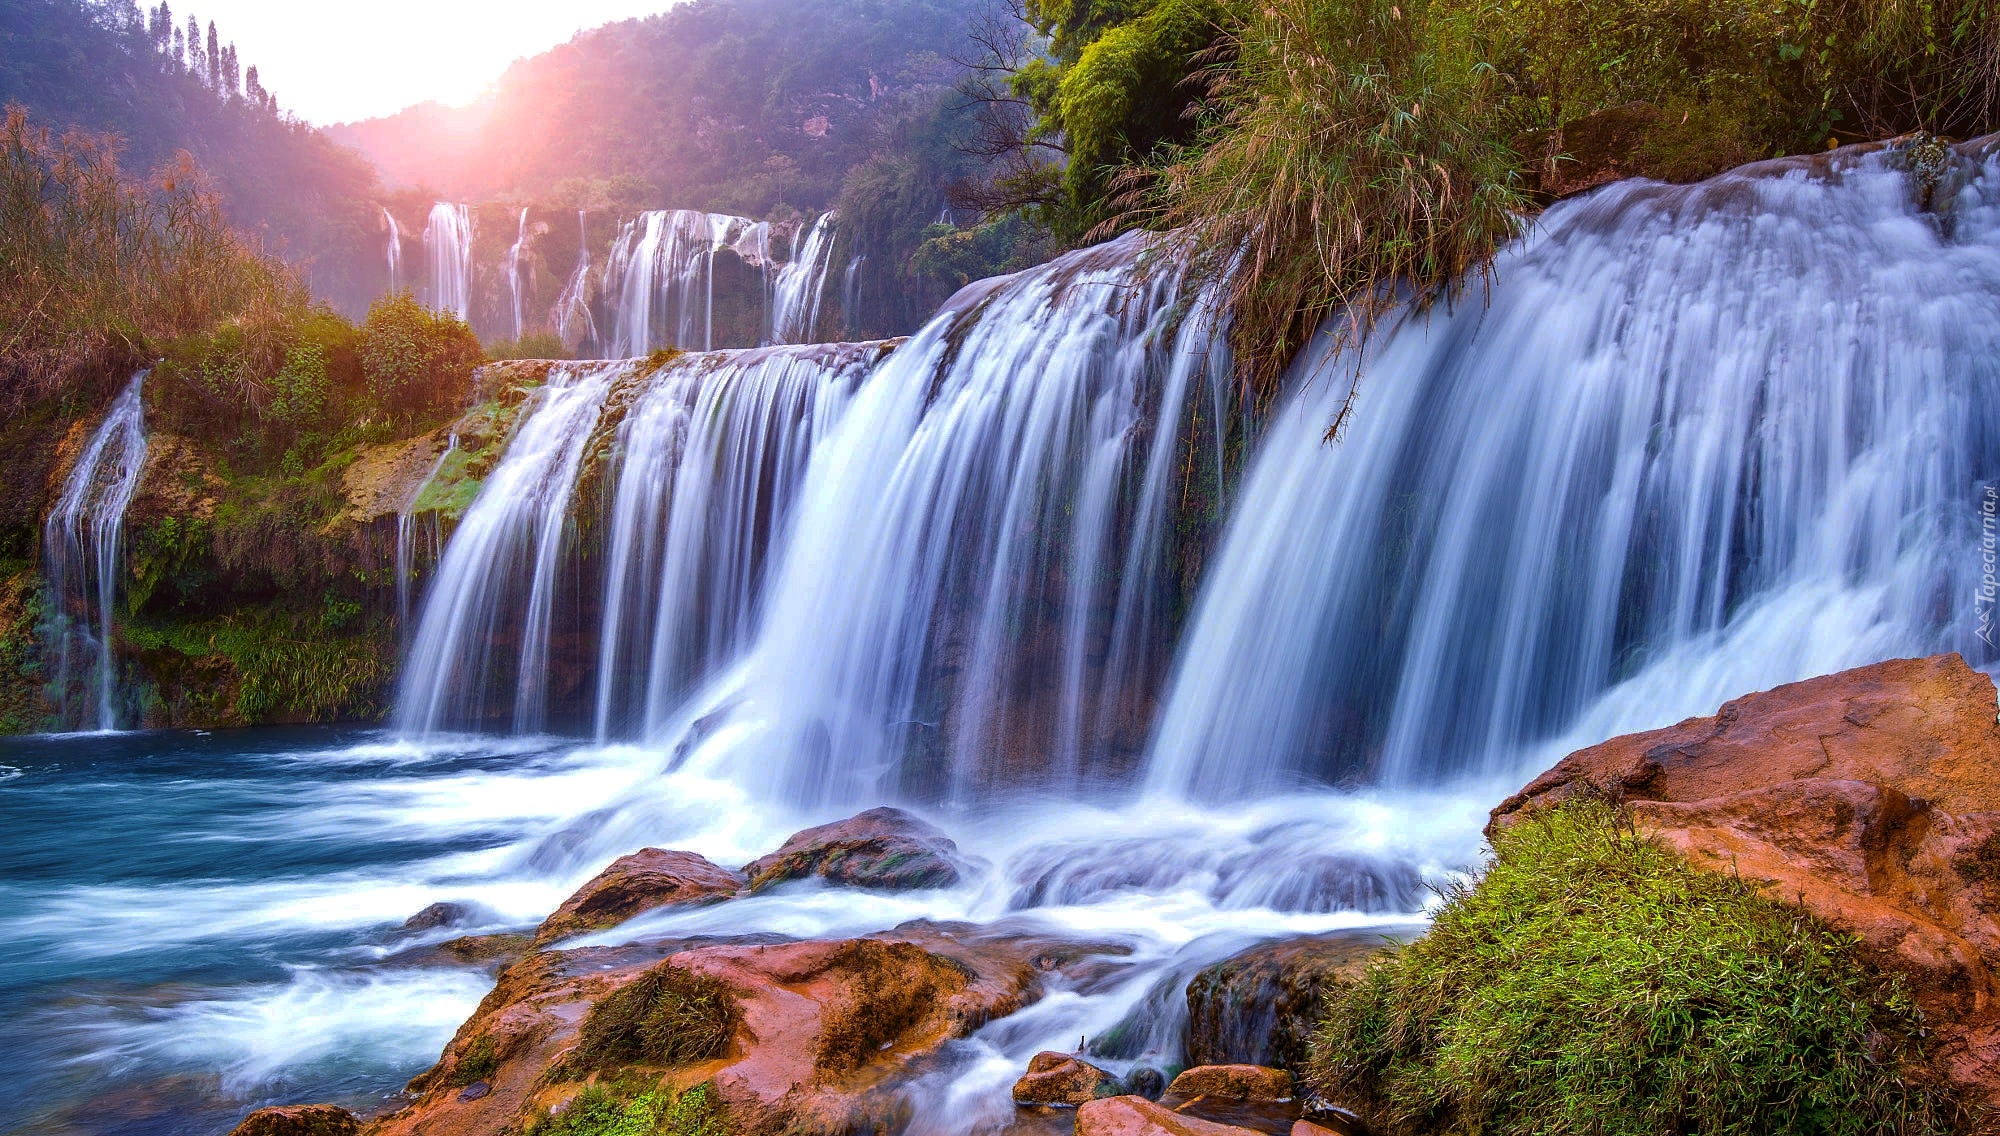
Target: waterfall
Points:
(850, 295)
(980, 585)
(497, 578)
(1697, 441)
(795, 296)
(83, 548)
(512, 266)
(573, 321)
(406, 530)
(660, 276)
(448, 239)
(709, 461)
(395, 252)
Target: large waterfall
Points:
(448, 240)
(800, 284)
(1698, 441)
(660, 277)
(513, 267)
(394, 251)
(83, 550)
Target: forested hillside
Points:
(163, 83)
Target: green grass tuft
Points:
(1593, 981)
(626, 1110)
(668, 1016)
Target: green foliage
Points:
(1593, 981)
(533, 345)
(668, 1016)
(23, 606)
(477, 1063)
(171, 553)
(268, 663)
(414, 360)
(958, 256)
(620, 1110)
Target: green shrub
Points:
(1593, 981)
(476, 1063)
(622, 1110)
(668, 1016)
(414, 360)
(534, 345)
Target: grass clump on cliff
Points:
(668, 1016)
(628, 1110)
(1593, 981)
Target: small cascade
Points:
(660, 276)
(83, 550)
(448, 240)
(486, 620)
(981, 583)
(1697, 441)
(395, 251)
(512, 267)
(796, 292)
(709, 462)
(574, 324)
(406, 531)
(850, 295)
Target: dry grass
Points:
(668, 1016)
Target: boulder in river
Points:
(880, 848)
(299, 1120)
(1259, 1007)
(1137, 1116)
(647, 879)
(1869, 797)
(1064, 1079)
(1232, 1083)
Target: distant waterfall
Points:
(709, 463)
(512, 267)
(660, 277)
(850, 295)
(572, 319)
(448, 240)
(395, 251)
(497, 578)
(980, 585)
(83, 549)
(796, 292)
(406, 531)
(1698, 441)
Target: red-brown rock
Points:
(880, 848)
(647, 879)
(1871, 797)
(299, 1120)
(1137, 1116)
(1233, 1083)
(1064, 1079)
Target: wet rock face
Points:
(881, 848)
(299, 1120)
(1232, 1083)
(1871, 797)
(1064, 1079)
(647, 879)
(1260, 1007)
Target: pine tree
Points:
(253, 90)
(232, 81)
(214, 60)
(160, 26)
(195, 61)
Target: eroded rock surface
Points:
(1137, 1116)
(880, 848)
(1259, 1007)
(1064, 1079)
(299, 1120)
(1232, 1083)
(647, 879)
(1871, 797)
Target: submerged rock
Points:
(647, 879)
(1232, 1083)
(1137, 1116)
(1260, 1007)
(1870, 797)
(438, 915)
(299, 1120)
(880, 848)
(1064, 1079)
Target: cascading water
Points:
(978, 587)
(1699, 441)
(850, 295)
(795, 295)
(83, 549)
(448, 240)
(395, 252)
(406, 532)
(660, 276)
(497, 577)
(574, 324)
(512, 267)
(709, 461)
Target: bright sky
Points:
(336, 62)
